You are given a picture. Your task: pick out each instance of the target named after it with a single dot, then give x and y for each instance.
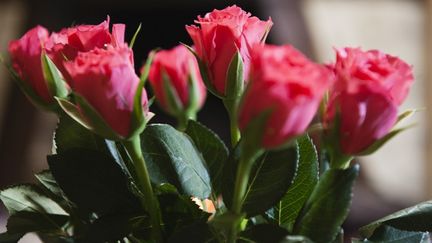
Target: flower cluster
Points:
(272, 95)
(96, 64)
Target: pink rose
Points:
(106, 79)
(369, 88)
(26, 60)
(65, 45)
(221, 34)
(179, 65)
(288, 85)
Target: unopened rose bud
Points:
(27, 62)
(364, 102)
(222, 34)
(105, 80)
(176, 81)
(285, 91)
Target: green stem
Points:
(181, 123)
(149, 202)
(183, 119)
(241, 182)
(340, 161)
(231, 107)
(240, 187)
(235, 132)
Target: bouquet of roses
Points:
(115, 177)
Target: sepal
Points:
(139, 117)
(83, 113)
(252, 136)
(381, 142)
(57, 86)
(28, 91)
(132, 42)
(194, 94)
(234, 80)
(173, 103)
(395, 131)
(204, 73)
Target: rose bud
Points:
(26, 61)
(286, 88)
(222, 34)
(65, 45)
(362, 109)
(104, 83)
(176, 81)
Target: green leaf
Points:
(416, 218)
(296, 239)
(223, 223)
(171, 157)
(328, 205)
(235, 82)
(26, 222)
(389, 234)
(110, 228)
(47, 180)
(54, 191)
(93, 181)
(6, 237)
(340, 236)
(121, 157)
(287, 210)
(212, 149)
(259, 219)
(178, 211)
(56, 238)
(55, 82)
(263, 233)
(29, 198)
(197, 232)
(70, 134)
(271, 176)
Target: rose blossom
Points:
(369, 88)
(179, 65)
(286, 84)
(221, 34)
(65, 45)
(26, 60)
(106, 79)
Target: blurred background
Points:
(397, 176)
